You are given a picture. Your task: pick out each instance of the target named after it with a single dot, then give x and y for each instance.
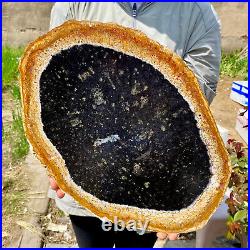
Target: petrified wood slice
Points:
(122, 125)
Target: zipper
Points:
(134, 14)
(126, 6)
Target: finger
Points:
(53, 184)
(172, 236)
(162, 236)
(60, 193)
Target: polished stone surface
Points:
(126, 134)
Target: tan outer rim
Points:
(135, 43)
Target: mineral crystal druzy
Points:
(127, 136)
(122, 126)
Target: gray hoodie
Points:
(190, 29)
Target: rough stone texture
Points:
(37, 205)
(31, 239)
(39, 185)
(23, 22)
(126, 134)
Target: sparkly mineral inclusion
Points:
(126, 134)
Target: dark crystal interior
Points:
(126, 134)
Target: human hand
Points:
(60, 194)
(170, 236)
